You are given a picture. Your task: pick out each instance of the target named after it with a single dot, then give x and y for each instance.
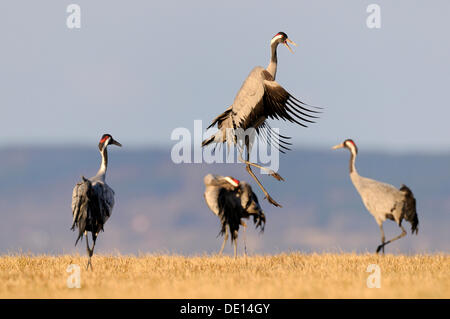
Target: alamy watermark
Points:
(226, 147)
(73, 20)
(374, 279)
(74, 279)
(373, 21)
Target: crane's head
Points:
(107, 140)
(349, 144)
(282, 37)
(232, 181)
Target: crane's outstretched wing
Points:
(278, 103)
(259, 98)
(272, 137)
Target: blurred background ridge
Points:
(160, 205)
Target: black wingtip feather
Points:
(265, 134)
(410, 209)
(298, 116)
(296, 108)
(303, 103)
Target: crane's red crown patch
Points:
(104, 138)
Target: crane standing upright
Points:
(260, 98)
(232, 200)
(93, 200)
(382, 200)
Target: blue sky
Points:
(139, 69)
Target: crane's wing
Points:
(259, 98)
(83, 203)
(211, 198)
(213, 189)
(79, 201)
(249, 201)
(221, 120)
(378, 197)
(247, 195)
(105, 198)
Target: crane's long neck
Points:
(352, 162)
(354, 176)
(104, 165)
(272, 67)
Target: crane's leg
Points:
(245, 238)
(94, 239)
(224, 241)
(89, 251)
(403, 234)
(270, 199)
(271, 172)
(381, 247)
(235, 244)
(249, 170)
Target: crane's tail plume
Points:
(260, 220)
(223, 122)
(410, 209)
(230, 215)
(219, 137)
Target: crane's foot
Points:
(272, 201)
(90, 253)
(276, 176)
(89, 264)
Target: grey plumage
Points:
(92, 204)
(93, 200)
(232, 200)
(261, 98)
(382, 200)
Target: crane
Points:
(93, 200)
(261, 98)
(382, 200)
(232, 200)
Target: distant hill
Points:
(160, 205)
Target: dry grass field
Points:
(290, 275)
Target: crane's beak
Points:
(337, 146)
(114, 142)
(287, 46)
